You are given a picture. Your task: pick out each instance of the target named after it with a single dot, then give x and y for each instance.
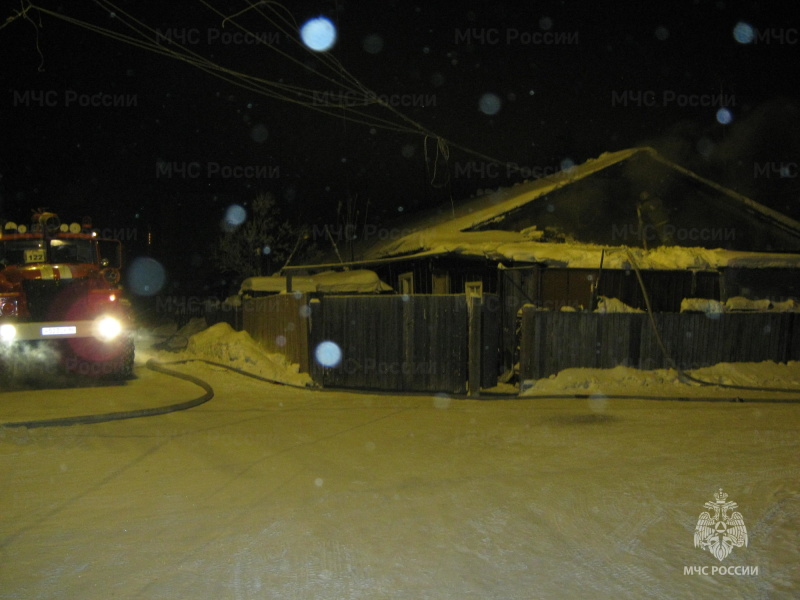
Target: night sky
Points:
(537, 84)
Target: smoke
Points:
(769, 132)
(757, 155)
(29, 365)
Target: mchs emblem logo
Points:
(720, 533)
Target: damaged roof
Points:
(628, 205)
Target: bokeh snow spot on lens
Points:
(328, 354)
(318, 34)
(490, 104)
(146, 276)
(235, 215)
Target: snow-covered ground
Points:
(271, 491)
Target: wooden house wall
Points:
(772, 283)
(665, 289)
(557, 288)
(554, 288)
(459, 272)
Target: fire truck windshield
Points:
(31, 251)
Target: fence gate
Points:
(413, 343)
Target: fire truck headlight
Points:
(108, 328)
(7, 333)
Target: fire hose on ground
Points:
(208, 394)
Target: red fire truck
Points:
(60, 290)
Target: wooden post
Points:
(474, 341)
(408, 341)
(313, 338)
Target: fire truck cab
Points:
(60, 287)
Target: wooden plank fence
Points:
(420, 343)
(553, 341)
(280, 324)
(411, 343)
(415, 343)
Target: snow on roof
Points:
(501, 201)
(357, 281)
(488, 245)
(455, 233)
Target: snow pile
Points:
(220, 343)
(614, 305)
(359, 281)
(703, 305)
(741, 303)
(590, 381)
(790, 305)
(622, 380)
(763, 374)
(737, 304)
